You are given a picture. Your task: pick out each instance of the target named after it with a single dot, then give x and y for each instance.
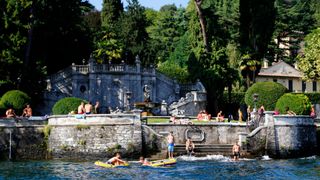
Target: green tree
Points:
(166, 30)
(294, 19)
(133, 34)
(256, 26)
(309, 61)
(249, 68)
(111, 13)
(14, 27)
(109, 49)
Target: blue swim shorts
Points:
(170, 147)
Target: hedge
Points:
(298, 103)
(268, 94)
(313, 97)
(66, 105)
(15, 99)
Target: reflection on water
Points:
(210, 167)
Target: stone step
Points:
(200, 150)
(212, 148)
(206, 145)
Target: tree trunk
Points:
(248, 80)
(202, 23)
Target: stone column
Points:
(138, 64)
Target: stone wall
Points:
(95, 136)
(212, 133)
(27, 140)
(285, 137)
(293, 136)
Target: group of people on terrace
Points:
(27, 112)
(88, 108)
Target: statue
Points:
(146, 93)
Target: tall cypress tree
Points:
(256, 25)
(111, 12)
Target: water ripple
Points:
(209, 167)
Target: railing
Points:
(82, 69)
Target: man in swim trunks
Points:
(88, 108)
(170, 140)
(236, 151)
(116, 160)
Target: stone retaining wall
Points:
(27, 140)
(95, 136)
(293, 136)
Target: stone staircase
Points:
(200, 150)
(204, 149)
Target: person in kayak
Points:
(116, 160)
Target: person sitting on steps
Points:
(190, 146)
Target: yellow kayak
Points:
(106, 165)
(163, 162)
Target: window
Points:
(290, 85)
(314, 86)
(303, 86)
(275, 80)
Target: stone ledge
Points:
(207, 124)
(94, 119)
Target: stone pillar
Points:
(268, 117)
(243, 140)
(138, 64)
(91, 64)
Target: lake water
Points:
(210, 167)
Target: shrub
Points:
(15, 99)
(298, 103)
(5, 86)
(313, 97)
(66, 105)
(269, 93)
(2, 109)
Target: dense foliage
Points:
(268, 94)
(313, 97)
(15, 99)
(216, 41)
(298, 103)
(66, 105)
(309, 62)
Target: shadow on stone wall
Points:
(26, 143)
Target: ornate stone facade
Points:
(116, 86)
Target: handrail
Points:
(255, 131)
(153, 131)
